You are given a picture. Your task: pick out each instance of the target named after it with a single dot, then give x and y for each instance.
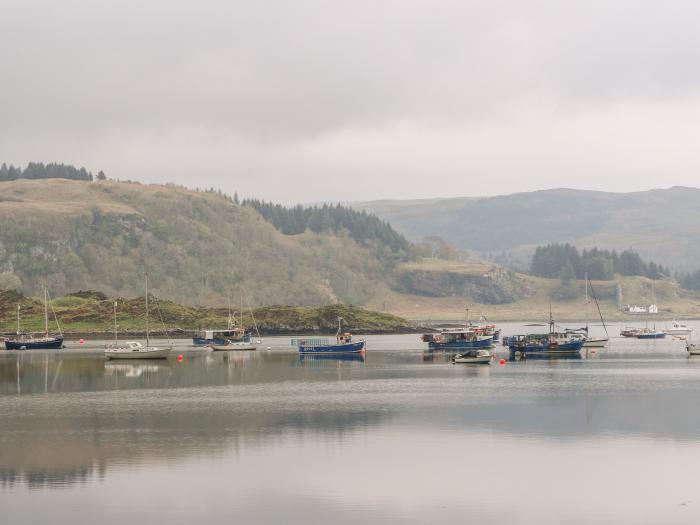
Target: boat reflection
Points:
(330, 360)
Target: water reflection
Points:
(389, 438)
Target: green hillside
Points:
(197, 247)
(661, 225)
(93, 313)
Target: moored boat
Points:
(693, 348)
(545, 346)
(469, 337)
(678, 328)
(630, 332)
(24, 341)
(647, 333)
(344, 343)
(475, 356)
(133, 349)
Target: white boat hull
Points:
(482, 358)
(678, 332)
(143, 353)
(596, 342)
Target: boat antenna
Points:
(18, 309)
(340, 327)
(598, 307)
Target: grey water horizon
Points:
(401, 436)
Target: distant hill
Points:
(661, 225)
(197, 247)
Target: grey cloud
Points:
(252, 89)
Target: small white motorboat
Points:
(474, 356)
(693, 348)
(595, 342)
(135, 350)
(678, 328)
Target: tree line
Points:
(360, 225)
(565, 262)
(52, 170)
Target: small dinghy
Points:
(693, 348)
(475, 356)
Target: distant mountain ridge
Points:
(660, 224)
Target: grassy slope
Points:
(673, 301)
(197, 247)
(661, 225)
(94, 313)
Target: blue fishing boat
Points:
(344, 344)
(457, 339)
(650, 334)
(472, 336)
(545, 346)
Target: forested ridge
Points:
(52, 170)
(564, 261)
(361, 226)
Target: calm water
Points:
(401, 437)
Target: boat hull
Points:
(54, 343)
(597, 342)
(681, 332)
(570, 350)
(477, 360)
(200, 341)
(344, 348)
(461, 345)
(232, 347)
(156, 353)
(651, 336)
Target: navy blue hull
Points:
(460, 345)
(53, 344)
(651, 336)
(570, 350)
(345, 348)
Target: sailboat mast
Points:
(46, 312)
(115, 323)
(147, 334)
(242, 327)
(18, 308)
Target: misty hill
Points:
(197, 247)
(661, 225)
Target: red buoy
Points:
(82, 341)
(180, 358)
(502, 361)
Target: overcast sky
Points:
(321, 100)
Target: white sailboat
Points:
(134, 349)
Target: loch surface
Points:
(402, 436)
